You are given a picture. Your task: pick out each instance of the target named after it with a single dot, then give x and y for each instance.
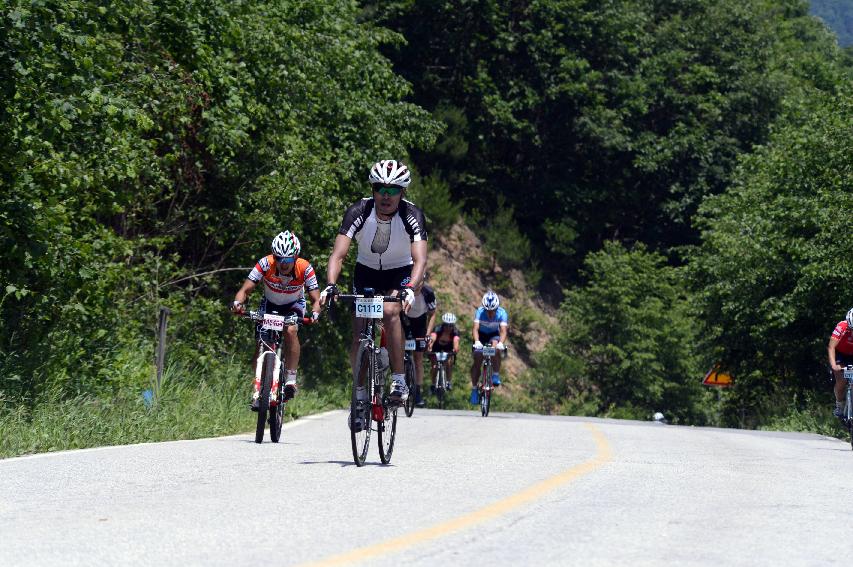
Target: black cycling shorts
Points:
(417, 326)
(382, 281)
(442, 347)
(842, 359)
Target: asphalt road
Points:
(509, 489)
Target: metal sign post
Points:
(161, 345)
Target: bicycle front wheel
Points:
(386, 431)
(410, 383)
(277, 414)
(486, 393)
(359, 417)
(848, 410)
(264, 397)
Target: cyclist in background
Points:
(285, 276)
(421, 318)
(491, 323)
(840, 350)
(444, 338)
(392, 254)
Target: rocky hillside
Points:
(460, 271)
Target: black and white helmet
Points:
(285, 244)
(390, 172)
(449, 318)
(849, 318)
(491, 301)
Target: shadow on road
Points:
(342, 463)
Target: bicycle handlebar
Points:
(354, 296)
(289, 321)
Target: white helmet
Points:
(390, 172)
(285, 244)
(849, 318)
(491, 301)
(449, 318)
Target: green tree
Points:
(627, 340)
(773, 268)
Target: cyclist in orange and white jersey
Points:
(285, 277)
(840, 350)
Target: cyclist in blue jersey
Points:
(491, 323)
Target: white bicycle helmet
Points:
(285, 244)
(491, 301)
(449, 318)
(849, 318)
(390, 172)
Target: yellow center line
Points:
(603, 455)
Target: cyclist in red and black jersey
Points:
(285, 276)
(840, 351)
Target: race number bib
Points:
(488, 351)
(410, 344)
(848, 375)
(368, 307)
(273, 322)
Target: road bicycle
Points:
(485, 386)
(411, 345)
(269, 370)
(378, 411)
(442, 360)
(847, 414)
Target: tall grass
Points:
(187, 407)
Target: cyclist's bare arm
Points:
(337, 257)
(432, 338)
(475, 332)
(419, 260)
(455, 345)
(831, 351)
(503, 333)
(316, 307)
(243, 293)
(431, 316)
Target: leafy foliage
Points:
(146, 142)
(628, 340)
(772, 269)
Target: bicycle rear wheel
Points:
(360, 417)
(409, 405)
(264, 395)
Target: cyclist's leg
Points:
(476, 363)
(840, 383)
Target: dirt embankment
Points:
(460, 271)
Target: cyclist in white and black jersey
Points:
(392, 252)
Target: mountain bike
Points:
(378, 408)
(847, 415)
(442, 359)
(269, 370)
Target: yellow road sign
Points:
(715, 377)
